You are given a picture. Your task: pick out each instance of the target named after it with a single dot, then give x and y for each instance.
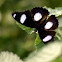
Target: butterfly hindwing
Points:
(46, 36)
(24, 18)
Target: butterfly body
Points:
(37, 18)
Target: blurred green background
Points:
(12, 37)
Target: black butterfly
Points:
(37, 18)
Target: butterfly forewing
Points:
(39, 14)
(24, 18)
(46, 36)
(31, 18)
(50, 24)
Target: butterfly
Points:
(37, 18)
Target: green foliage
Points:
(13, 39)
(57, 11)
(48, 53)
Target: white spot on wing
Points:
(23, 18)
(47, 38)
(48, 25)
(14, 15)
(37, 16)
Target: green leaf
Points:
(60, 21)
(38, 42)
(27, 29)
(57, 11)
(59, 59)
(48, 53)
